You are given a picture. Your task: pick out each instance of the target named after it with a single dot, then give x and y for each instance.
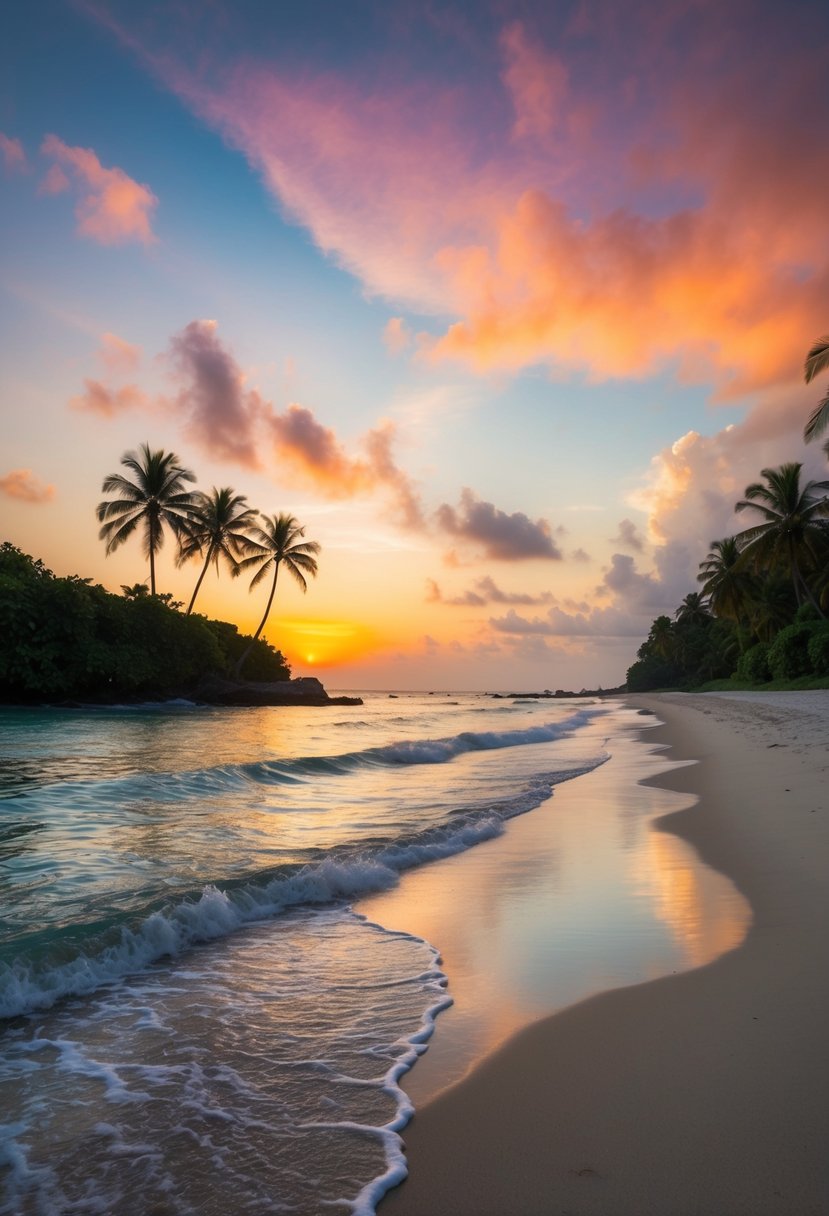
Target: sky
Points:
(506, 302)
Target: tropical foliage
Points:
(65, 639)
(215, 526)
(279, 542)
(760, 614)
(157, 497)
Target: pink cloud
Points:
(99, 398)
(112, 208)
(117, 355)
(675, 217)
(396, 335)
(536, 80)
(221, 414)
(54, 182)
(21, 484)
(14, 156)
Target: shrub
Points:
(789, 652)
(754, 664)
(819, 650)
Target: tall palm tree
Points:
(794, 528)
(158, 496)
(726, 584)
(817, 361)
(279, 540)
(218, 529)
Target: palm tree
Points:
(218, 530)
(794, 525)
(726, 584)
(279, 540)
(817, 361)
(157, 497)
(662, 637)
(692, 610)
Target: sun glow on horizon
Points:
(322, 643)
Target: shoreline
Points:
(697, 1094)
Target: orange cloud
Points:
(14, 157)
(22, 485)
(675, 217)
(312, 451)
(113, 208)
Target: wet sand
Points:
(704, 1093)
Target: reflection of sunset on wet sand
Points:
(580, 896)
(686, 896)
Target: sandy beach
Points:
(703, 1093)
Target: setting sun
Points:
(321, 643)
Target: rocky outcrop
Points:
(306, 690)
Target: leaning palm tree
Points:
(156, 497)
(794, 528)
(218, 529)
(279, 540)
(817, 361)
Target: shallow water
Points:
(199, 1021)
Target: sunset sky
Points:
(505, 301)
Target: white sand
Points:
(700, 1094)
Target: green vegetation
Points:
(157, 497)
(217, 528)
(214, 525)
(760, 619)
(279, 542)
(65, 639)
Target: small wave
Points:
(213, 913)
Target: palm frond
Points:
(818, 419)
(817, 360)
(260, 574)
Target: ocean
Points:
(197, 1016)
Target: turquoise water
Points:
(197, 1019)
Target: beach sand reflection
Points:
(579, 896)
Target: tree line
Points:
(761, 613)
(67, 639)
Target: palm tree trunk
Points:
(200, 578)
(152, 566)
(237, 670)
